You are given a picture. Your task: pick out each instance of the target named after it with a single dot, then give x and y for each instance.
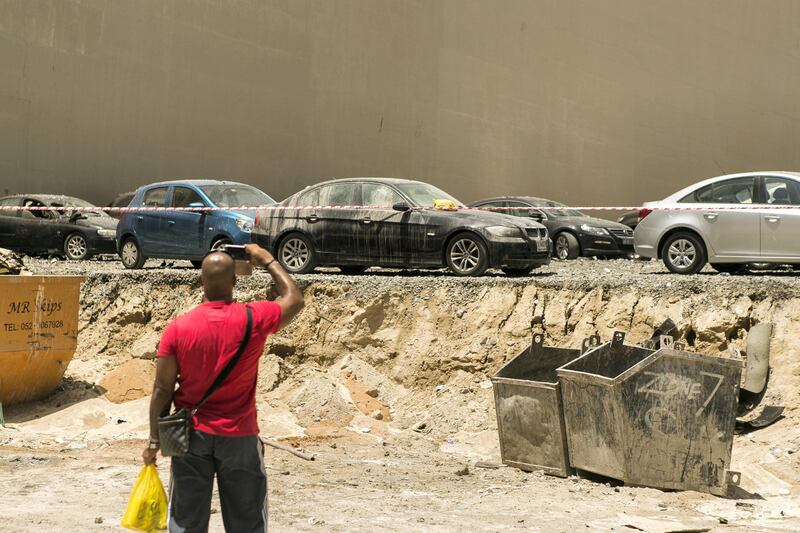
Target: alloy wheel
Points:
(295, 254)
(219, 243)
(682, 253)
(465, 255)
(562, 247)
(130, 253)
(77, 247)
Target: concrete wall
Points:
(609, 102)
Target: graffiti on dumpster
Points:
(668, 386)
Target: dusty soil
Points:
(385, 378)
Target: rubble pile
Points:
(10, 262)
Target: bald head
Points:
(218, 276)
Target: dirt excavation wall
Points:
(408, 350)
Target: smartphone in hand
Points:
(240, 258)
(236, 251)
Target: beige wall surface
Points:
(588, 102)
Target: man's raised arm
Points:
(291, 298)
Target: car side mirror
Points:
(401, 206)
(537, 216)
(76, 215)
(195, 205)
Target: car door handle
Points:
(312, 218)
(366, 221)
(171, 222)
(139, 218)
(772, 218)
(710, 216)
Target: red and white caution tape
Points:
(385, 207)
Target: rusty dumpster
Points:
(530, 419)
(39, 326)
(660, 418)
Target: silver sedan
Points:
(728, 221)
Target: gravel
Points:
(650, 276)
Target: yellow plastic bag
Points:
(445, 205)
(147, 507)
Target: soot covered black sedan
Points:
(574, 233)
(64, 232)
(403, 229)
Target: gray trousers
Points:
(238, 463)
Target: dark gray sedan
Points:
(574, 233)
(402, 228)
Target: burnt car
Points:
(402, 228)
(574, 233)
(122, 200)
(63, 232)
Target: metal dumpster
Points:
(661, 419)
(530, 419)
(38, 334)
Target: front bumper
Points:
(519, 253)
(102, 245)
(606, 245)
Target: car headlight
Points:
(594, 230)
(503, 231)
(244, 225)
(108, 233)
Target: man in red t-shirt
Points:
(194, 349)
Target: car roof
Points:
(530, 199)
(686, 190)
(387, 181)
(196, 183)
(45, 197)
(365, 179)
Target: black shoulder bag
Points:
(175, 430)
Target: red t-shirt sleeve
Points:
(167, 346)
(266, 316)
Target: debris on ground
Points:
(10, 262)
(391, 339)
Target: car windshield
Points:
(557, 212)
(424, 194)
(236, 196)
(66, 202)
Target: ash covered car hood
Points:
(484, 218)
(591, 221)
(97, 222)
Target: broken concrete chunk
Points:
(10, 262)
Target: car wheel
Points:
(296, 254)
(730, 268)
(684, 253)
(566, 246)
(518, 272)
(131, 255)
(76, 247)
(467, 256)
(352, 270)
(219, 243)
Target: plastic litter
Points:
(147, 506)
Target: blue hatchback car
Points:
(186, 235)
